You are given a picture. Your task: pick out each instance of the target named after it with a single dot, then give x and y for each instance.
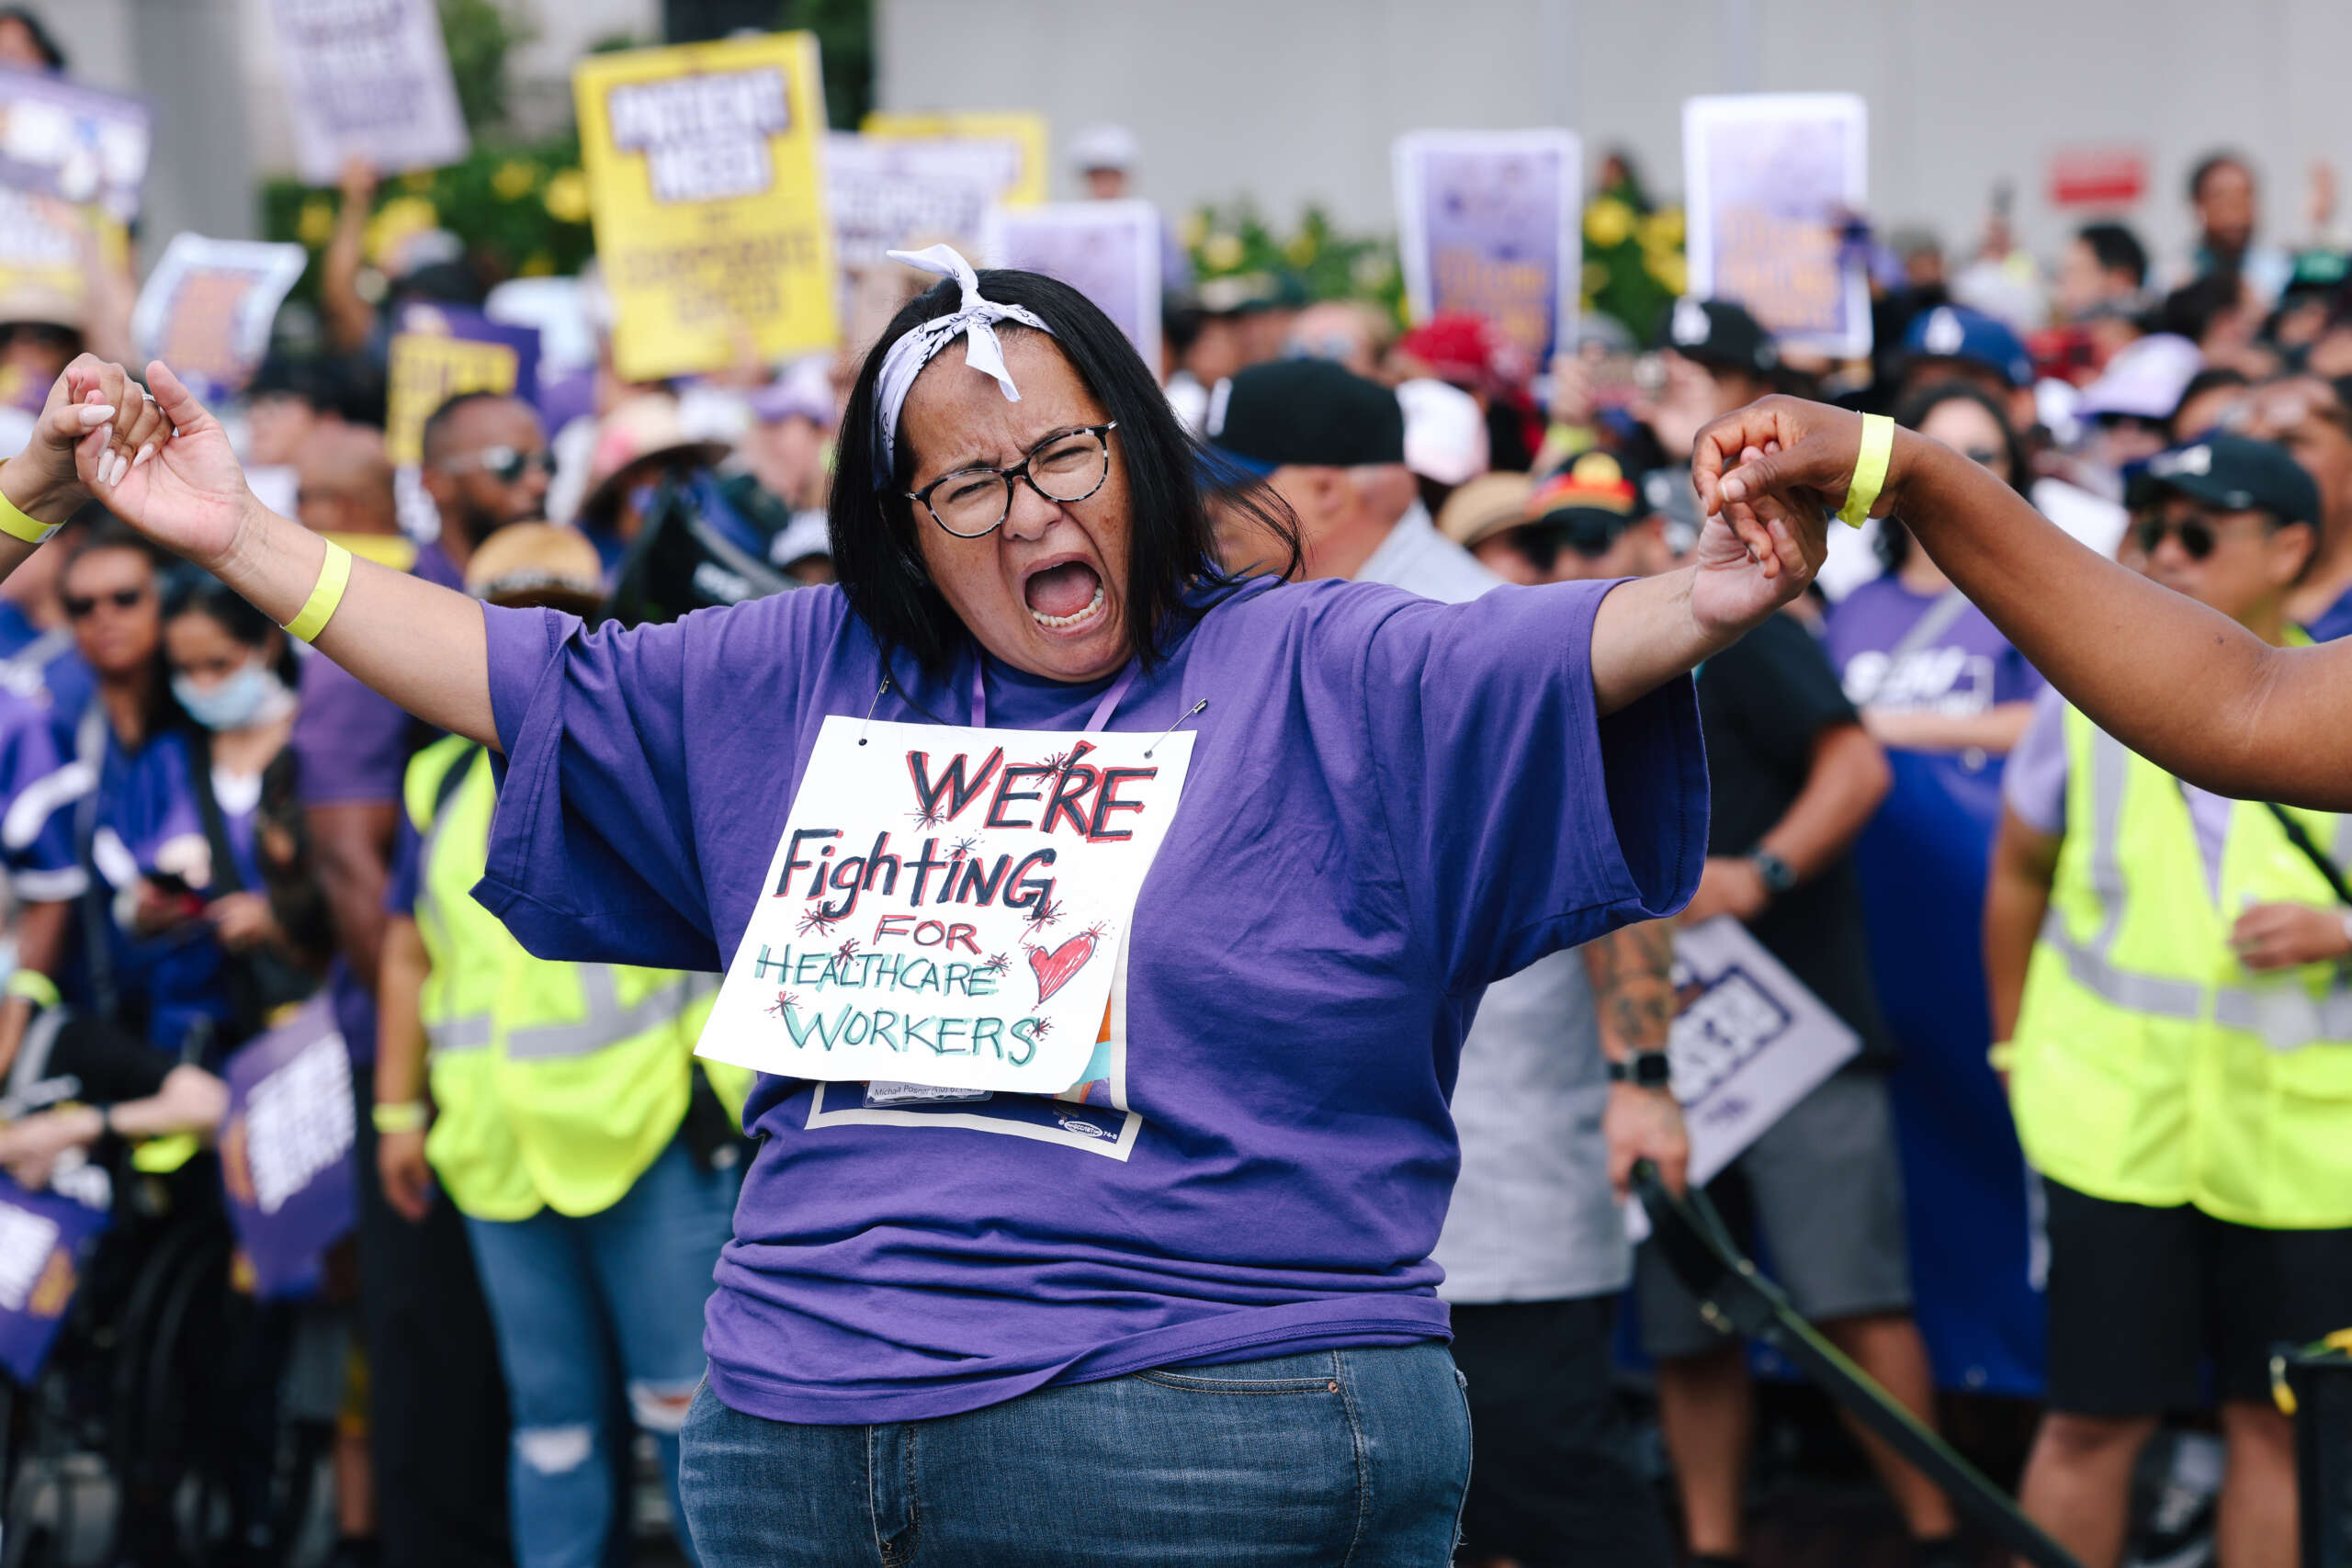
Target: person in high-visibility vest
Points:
(594, 1163)
(2169, 981)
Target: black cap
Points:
(1717, 332)
(1305, 410)
(2236, 473)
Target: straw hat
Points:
(645, 425)
(535, 564)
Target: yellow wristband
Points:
(334, 576)
(408, 1116)
(33, 987)
(1870, 470)
(2002, 1057)
(18, 523)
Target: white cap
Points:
(1445, 430)
(1104, 147)
(2144, 379)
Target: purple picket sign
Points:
(77, 144)
(43, 1238)
(286, 1149)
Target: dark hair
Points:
(2191, 309)
(194, 592)
(102, 532)
(1171, 543)
(42, 42)
(1893, 542)
(2210, 165)
(2116, 249)
(2204, 381)
(436, 424)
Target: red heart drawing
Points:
(1053, 969)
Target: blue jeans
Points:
(572, 1298)
(1355, 1457)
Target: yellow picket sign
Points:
(428, 369)
(709, 209)
(1024, 187)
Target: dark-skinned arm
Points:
(2183, 685)
(352, 844)
(1847, 778)
(2017, 900)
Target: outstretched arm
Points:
(2187, 687)
(421, 645)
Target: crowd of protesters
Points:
(205, 825)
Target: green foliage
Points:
(1634, 265)
(845, 30)
(1314, 261)
(480, 35)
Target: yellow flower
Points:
(1663, 230)
(538, 263)
(513, 180)
(1673, 273)
(418, 180)
(395, 222)
(1196, 230)
(1301, 250)
(1222, 251)
(1596, 278)
(1608, 222)
(567, 196)
(315, 224)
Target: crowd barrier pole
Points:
(1737, 1299)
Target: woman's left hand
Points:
(2284, 936)
(1735, 585)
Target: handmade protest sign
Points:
(286, 1148)
(42, 1239)
(1487, 222)
(947, 906)
(207, 308)
(368, 79)
(441, 351)
(1013, 139)
(887, 192)
(75, 143)
(1771, 181)
(1108, 251)
(704, 174)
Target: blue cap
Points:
(1955, 331)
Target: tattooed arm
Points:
(1635, 995)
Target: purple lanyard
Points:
(1102, 709)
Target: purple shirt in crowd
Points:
(1964, 669)
(1391, 803)
(352, 747)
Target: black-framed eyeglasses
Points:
(507, 465)
(1066, 466)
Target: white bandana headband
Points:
(975, 319)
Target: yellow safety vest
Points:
(553, 1083)
(2151, 1067)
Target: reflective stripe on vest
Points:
(605, 1021)
(473, 1032)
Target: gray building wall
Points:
(1288, 101)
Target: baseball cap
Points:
(2236, 473)
(1304, 410)
(1484, 507)
(1591, 501)
(1104, 147)
(1445, 430)
(2144, 379)
(1955, 331)
(1720, 332)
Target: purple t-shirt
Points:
(1391, 803)
(1964, 669)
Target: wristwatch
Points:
(1777, 875)
(1643, 1069)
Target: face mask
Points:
(251, 694)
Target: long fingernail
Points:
(105, 469)
(144, 453)
(96, 414)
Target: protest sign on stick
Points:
(441, 351)
(1487, 222)
(286, 1148)
(1108, 251)
(705, 174)
(1771, 181)
(368, 79)
(1014, 140)
(207, 308)
(44, 1238)
(885, 192)
(75, 143)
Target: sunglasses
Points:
(78, 608)
(2198, 536)
(1589, 535)
(507, 465)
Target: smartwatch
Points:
(1643, 1069)
(1778, 875)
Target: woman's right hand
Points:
(188, 495)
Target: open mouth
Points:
(1065, 596)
